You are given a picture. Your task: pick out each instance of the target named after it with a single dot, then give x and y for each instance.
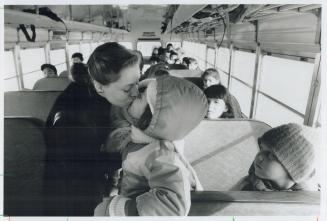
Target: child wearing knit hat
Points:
(285, 160)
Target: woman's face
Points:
(123, 91)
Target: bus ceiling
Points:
(244, 25)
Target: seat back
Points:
(185, 73)
(255, 203)
(24, 161)
(52, 84)
(196, 80)
(222, 151)
(35, 104)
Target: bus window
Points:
(242, 81)
(86, 51)
(126, 44)
(58, 59)
(274, 113)
(175, 44)
(146, 47)
(200, 55)
(189, 48)
(93, 46)
(72, 49)
(287, 80)
(31, 60)
(210, 58)
(222, 64)
(284, 89)
(10, 77)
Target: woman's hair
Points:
(211, 72)
(217, 91)
(145, 119)
(141, 60)
(80, 73)
(107, 60)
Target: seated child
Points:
(210, 77)
(157, 179)
(218, 104)
(285, 161)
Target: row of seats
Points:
(52, 84)
(36, 104)
(61, 83)
(219, 157)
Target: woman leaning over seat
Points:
(75, 163)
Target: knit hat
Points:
(50, 66)
(78, 55)
(294, 147)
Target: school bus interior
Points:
(268, 56)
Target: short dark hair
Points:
(107, 60)
(156, 59)
(161, 72)
(169, 44)
(78, 55)
(80, 73)
(172, 54)
(141, 60)
(211, 72)
(50, 66)
(216, 91)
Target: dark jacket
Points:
(75, 168)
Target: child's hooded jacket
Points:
(157, 178)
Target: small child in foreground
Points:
(286, 161)
(157, 178)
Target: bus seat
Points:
(51, 84)
(35, 104)
(185, 73)
(221, 151)
(63, 74)
(196, 80)
(177, 66)
(24, 159)
(245, 203)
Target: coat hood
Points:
(177, 106)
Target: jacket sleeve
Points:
(169, 192)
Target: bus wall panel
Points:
(243, 33)
(10, 34)
(294, 29)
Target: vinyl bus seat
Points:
(24, 161)
(35, 104)
(52, 84)
(221, 151)
(185, 73)
(255, 203)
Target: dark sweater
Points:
(75, 169)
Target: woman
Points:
(115, 73)
(78, 125)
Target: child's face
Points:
(209, 81)
(193, 66)
(268, 167)
(216, 108)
